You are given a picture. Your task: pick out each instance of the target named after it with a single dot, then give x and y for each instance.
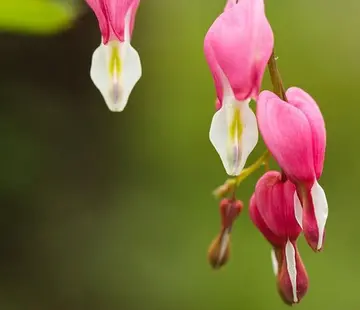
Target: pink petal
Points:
(117, 11)
(287, 134)
(303, 101)
(261, 225)
(99, 9)
(275, 203)
(230, 4)
(315, 213)
(242, 42)
(218, 104)
(215, 71)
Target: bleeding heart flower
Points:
(272, 210)
(237, 47)
(294, 132)
(115, 67)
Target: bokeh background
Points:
(105, 211)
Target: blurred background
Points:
(105, 211)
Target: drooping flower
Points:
(272, 211)
(115, 67)
(294, 132)
(237, 48)
(219, 250)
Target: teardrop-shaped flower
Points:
(294, 132)
(237, 47)
(274, 213)
(115, 67)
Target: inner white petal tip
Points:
(275, 263)
(321, 210)
(291, 268)
(298, 209)
(224, 241)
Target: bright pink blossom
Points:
(238, 46)
(294, 132)
(273, 211)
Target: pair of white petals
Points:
(115, 69)
(234, 133)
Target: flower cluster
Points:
(115, 66)
(238, 48)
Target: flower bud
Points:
(292, 278)
(219, 250)
(229, 211)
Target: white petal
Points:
(115, 69)
(223, 244)
(275, 263)
(291, 268)
(298, 209)
(234, 133)
(321, 210)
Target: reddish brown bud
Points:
(219, 250)
(229, 211)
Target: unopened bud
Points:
(292, 278)
(219, 250)
(230, 210)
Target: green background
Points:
(105, 211)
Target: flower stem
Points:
(232, 184)
(275, 76)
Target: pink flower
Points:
(273, 212)
(115, 67)
(295, 134)
(237, 48)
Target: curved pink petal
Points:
(215, 71)
(99, 9)
(315, 213)
(287, 134)
(242, 42)
(275, 203)
(303, 101)
(259, 222)
(120, 21)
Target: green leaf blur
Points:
(35, 16)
